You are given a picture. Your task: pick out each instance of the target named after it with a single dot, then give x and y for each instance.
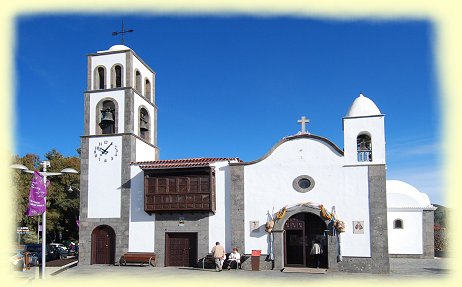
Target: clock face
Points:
(105, 151)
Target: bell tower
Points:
(364, 133)
(120, 127)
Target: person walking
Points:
(219, 255)
(316, 251)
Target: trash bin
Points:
(256, 260)
(26, 264)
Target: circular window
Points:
(303, 183)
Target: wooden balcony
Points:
(179, 190)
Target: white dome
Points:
(363, 106)
(118, 48)
(401, 194)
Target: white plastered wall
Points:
(145, 73)
(104, 182)
(374, 126)
(142, 225)
(219, 228)
(108, 60)
(407, 240)
(268, 185)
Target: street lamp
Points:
(44, 173)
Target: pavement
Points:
(400, 268)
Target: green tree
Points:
(62, 204)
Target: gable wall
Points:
(268, 185)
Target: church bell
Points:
(363, 146)
(108, 117)
(144, 126)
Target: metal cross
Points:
(122, 32)
(303, 121)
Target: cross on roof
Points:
(303, 121)
(122, 32)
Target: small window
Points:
(398, 224)
(303, 183)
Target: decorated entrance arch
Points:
(294, 231)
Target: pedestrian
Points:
(219, 255)
(234, 257)
(316, 251)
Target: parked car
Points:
(59, 249)
(35, 251)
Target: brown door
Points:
(102, 247)
(295, 255)
(301, 231)
(181, 249)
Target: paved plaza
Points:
(400, 269)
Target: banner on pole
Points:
(37, 195)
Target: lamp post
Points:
(44, 173)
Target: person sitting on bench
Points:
(234, 258)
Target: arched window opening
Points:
(364, 148)
(101, 82)
(144, 126)
(99, 78)
(108, 118)
(138, 81)
(116, 76)
(147, 89)
(398, 224)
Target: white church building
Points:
(305, 189)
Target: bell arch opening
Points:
(106, 117)
(364, 147)
(144, 129)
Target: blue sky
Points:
(233, 86)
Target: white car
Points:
(58, 245)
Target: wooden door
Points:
(295, 255)
(301, 231)
(181, 249)
(103, 247)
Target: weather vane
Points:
(122, 32)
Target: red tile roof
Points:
(182, 163)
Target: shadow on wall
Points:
(258, 232)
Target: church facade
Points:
(304, 190)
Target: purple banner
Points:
(37, 194)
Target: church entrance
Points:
(102, 245)
(302, 230)
(180, 249)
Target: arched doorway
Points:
(103, 245)
(301, 231)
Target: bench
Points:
(138, 257)
(210, 260)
